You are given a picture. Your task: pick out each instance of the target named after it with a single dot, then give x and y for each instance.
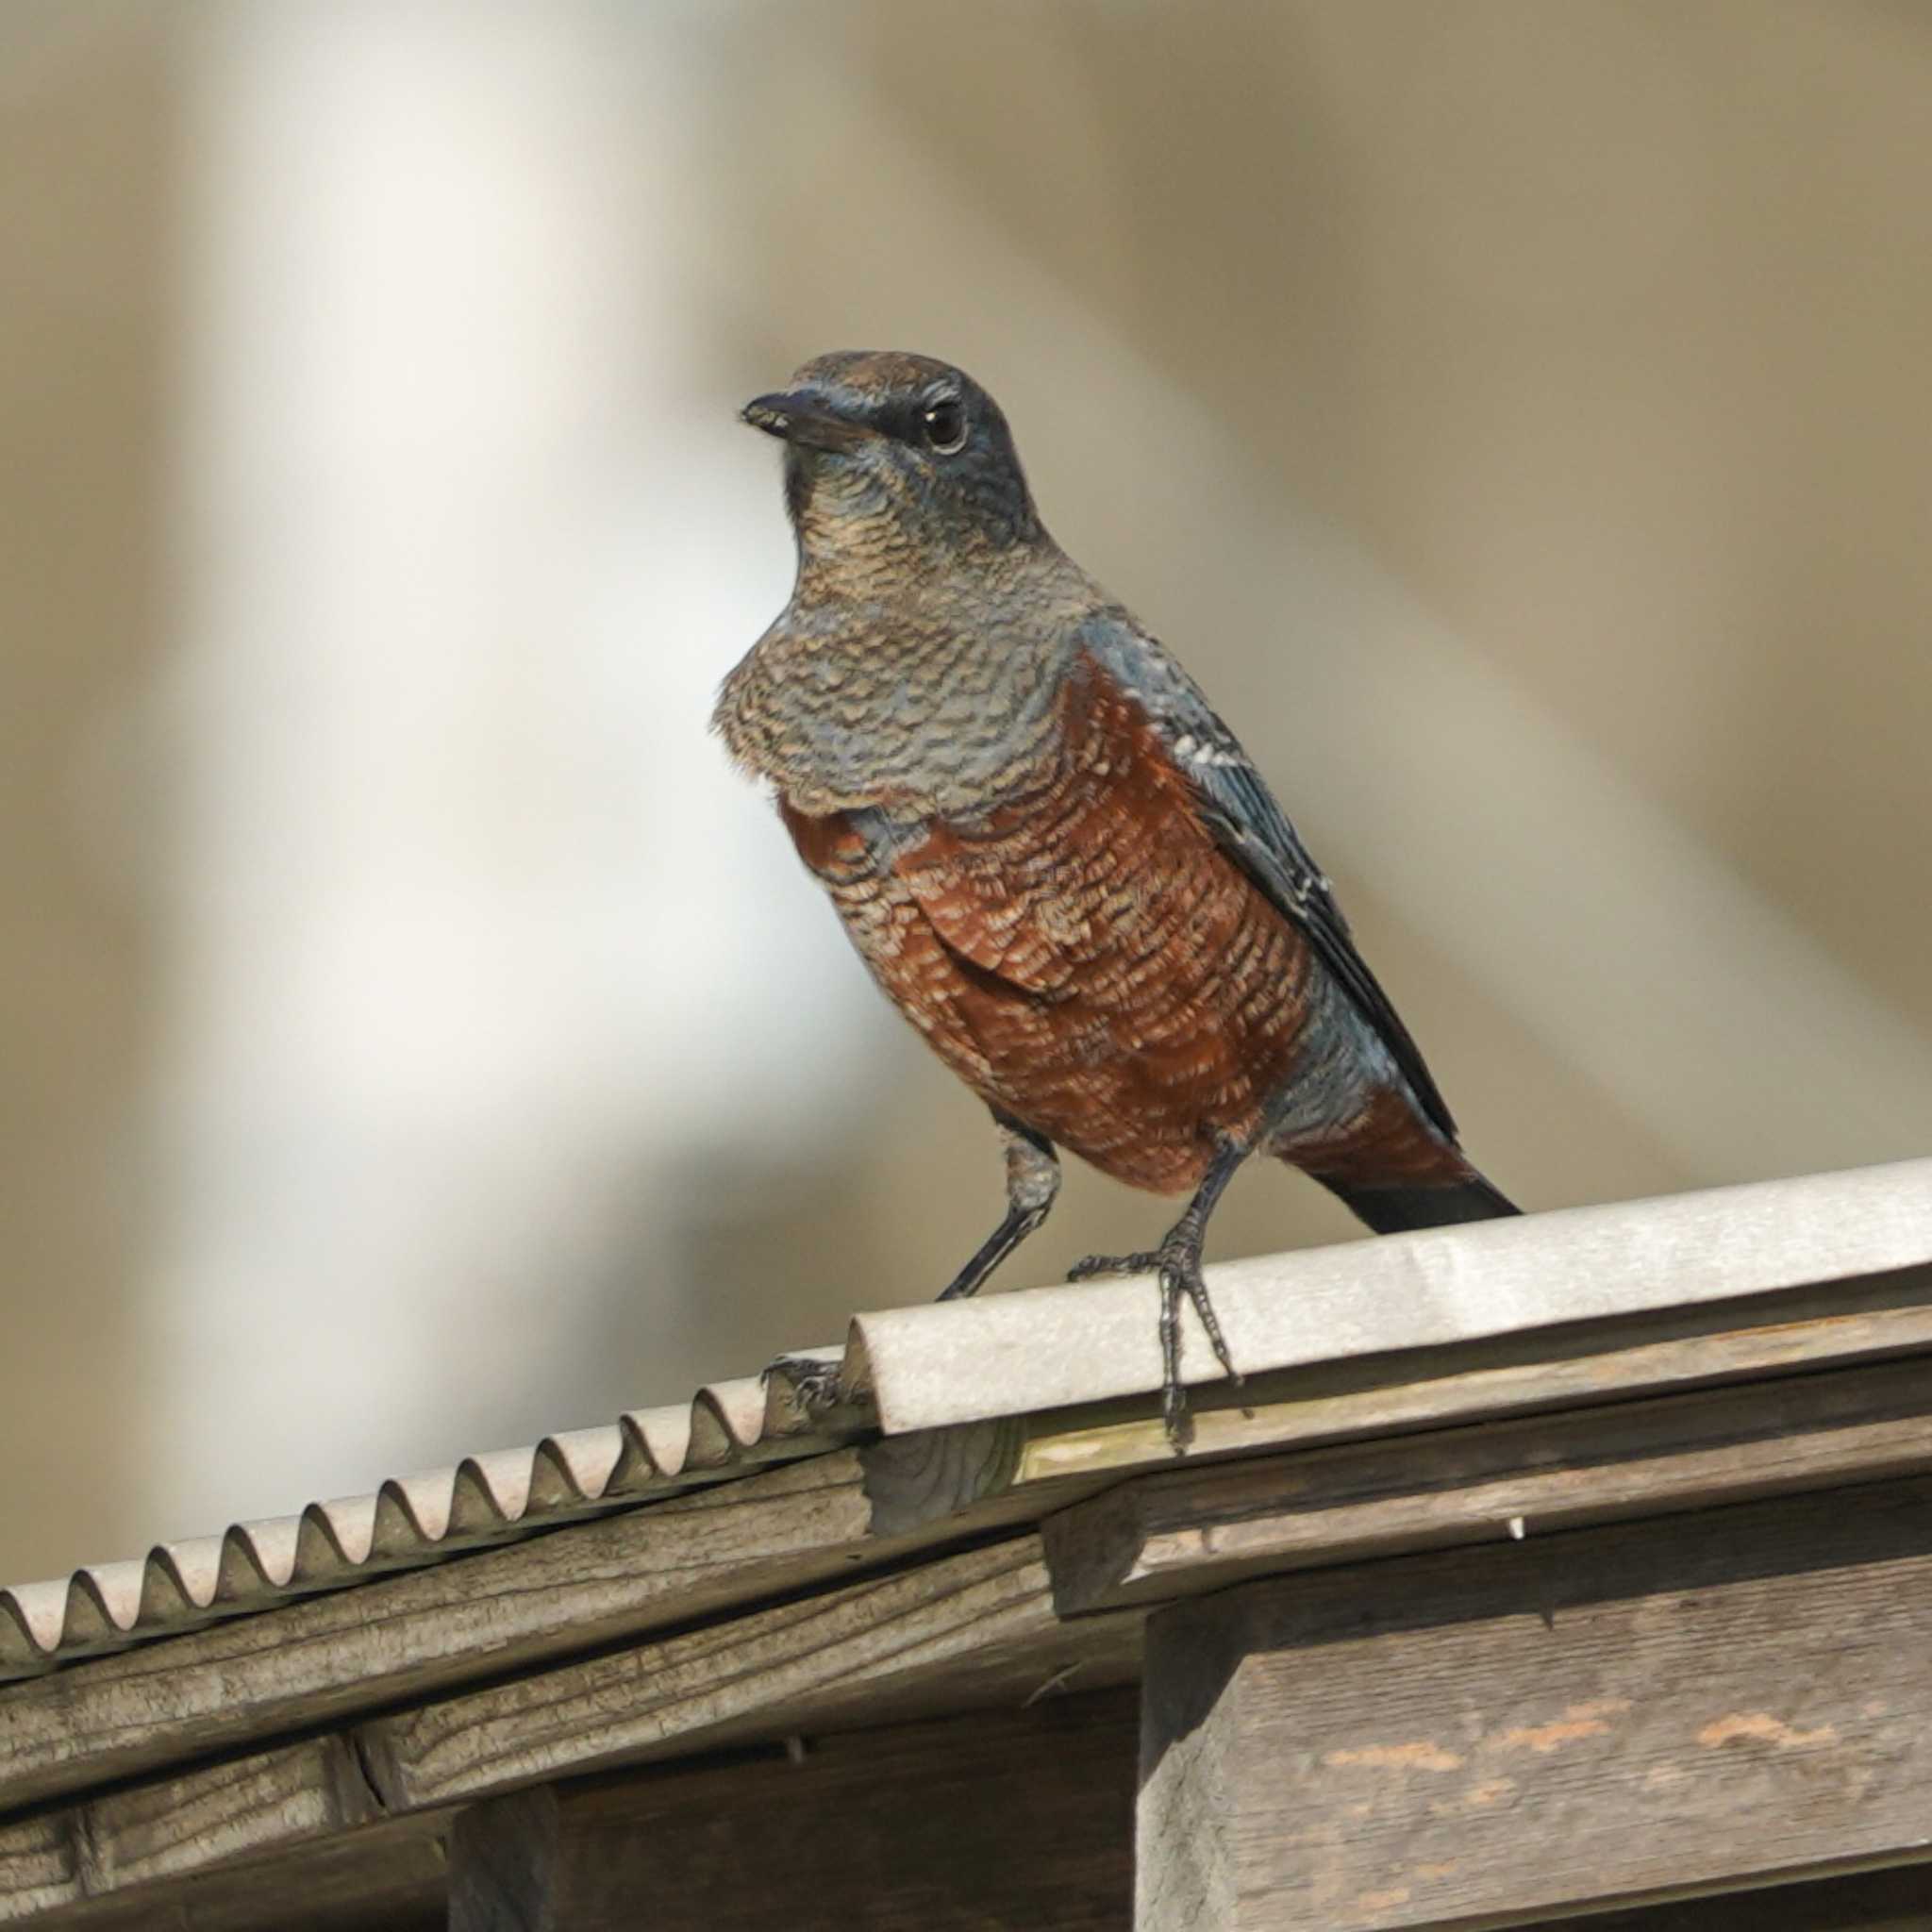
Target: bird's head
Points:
(888, 452)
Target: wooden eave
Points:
(983, 1521)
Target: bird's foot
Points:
(813, 1380)
(1178, 1262)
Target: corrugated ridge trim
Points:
(728, 1429)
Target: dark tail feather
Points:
(1389, 1211)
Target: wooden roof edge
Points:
(1010, 1360)
(896, 1506)
(705, 1553)
(942, 1633)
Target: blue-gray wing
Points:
(1237, 805)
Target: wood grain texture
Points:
(1202, 1528)
(380, 1878)
(1498, 1736)
(411, 1635)
(39, 1866)
(934, 1473)
(1016, 1818)
(266, 1801)
(962, 1633)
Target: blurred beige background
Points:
(1520, 415)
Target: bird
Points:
(1053, 855)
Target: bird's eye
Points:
(945, 426)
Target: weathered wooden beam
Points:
(1199, 1528)
(267, 1802)
(411, 1635)
(1499, 1736)
(382, 1878)
(40, 1866)
(1009, 1818)
(960, 1632)
(177, 1826)
(198, 1848)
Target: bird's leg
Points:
(1177, 1261)
(1033, 1179)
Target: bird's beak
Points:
(801, 417)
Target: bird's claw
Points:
(1188, 1279)
(1176, 1419)
(813, 1381)
(1178, 1262)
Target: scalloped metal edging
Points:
(728, 1429)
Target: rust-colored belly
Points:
(1088, 957)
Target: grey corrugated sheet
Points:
(936, 1365)
(730, 1428)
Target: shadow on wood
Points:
(1020, 1819)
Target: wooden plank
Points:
(266, 1801)
(960, 1632)
(917, 1480)
(385, 1878)
(81, 1863)
(40, 1866)
(411, 1635)
(1007, 1818)
(1497, 1736)
(1202, 1528)
(969, 1631)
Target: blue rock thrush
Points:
(1053, 856)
